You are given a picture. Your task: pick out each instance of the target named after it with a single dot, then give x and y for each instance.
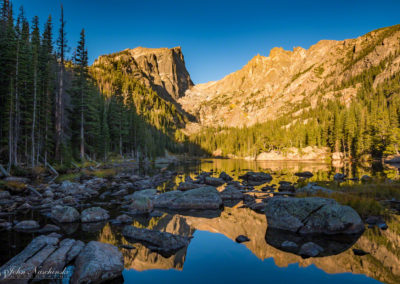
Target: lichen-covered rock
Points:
(97, 263)
(312, 215)
(94, 214)
(64, 214)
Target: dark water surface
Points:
(213, 256)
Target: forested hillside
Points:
(369, 126)
(52, 109)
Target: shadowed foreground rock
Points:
(98, 262)
(159, 241)
(46, 259)
(312, 215)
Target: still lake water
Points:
(213, 256)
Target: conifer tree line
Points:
(368, 127)
(52, 110)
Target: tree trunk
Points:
(34, 116)
(82, 132)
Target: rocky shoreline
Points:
(82, 201)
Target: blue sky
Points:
(217, 37)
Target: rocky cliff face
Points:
(287, 82)
(161, 69)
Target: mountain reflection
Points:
(383, 262)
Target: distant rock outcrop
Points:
(162, 69)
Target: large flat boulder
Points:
(98, 262)
(206, 197)
(312, 215)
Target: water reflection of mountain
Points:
(383, 263)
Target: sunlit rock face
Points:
(162, 69)
(292, 81)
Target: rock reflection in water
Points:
(383, 262)
(331, 244)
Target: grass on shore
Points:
(364, 198)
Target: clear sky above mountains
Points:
(217, 36)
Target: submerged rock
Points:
(94, 214)
(156, 240)
(64, 214)
(98, 262)
(312, 215)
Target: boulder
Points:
(27, 225)
(305, 174)
(395, 159)
(206, 197)
(312, 215)
(156, 240)
(339, 177)
(313, 188)
(225, 176)
(286, 187)
(142, 201)
(98, 262)
(366, 178)
(94, 214)
(4, 195)
(256, 178)
(214, 181)
(231, 193)
(64, 214)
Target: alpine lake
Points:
(213, 255)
